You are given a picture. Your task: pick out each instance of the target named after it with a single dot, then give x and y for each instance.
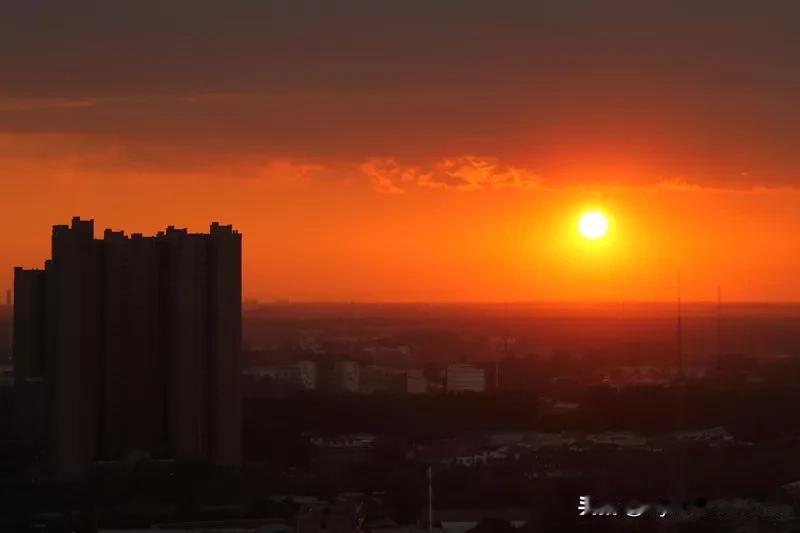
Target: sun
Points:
(593, 225)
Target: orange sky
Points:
(338, 239)
(418, 151)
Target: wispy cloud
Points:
(473, 173)
(688, 186)
(387, 176)
(34, 104)
(462, 173)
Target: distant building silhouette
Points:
(127, 344)
(462, 377)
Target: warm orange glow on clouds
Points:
(328, 232)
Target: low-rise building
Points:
(416, 382)
(347, 376)
(462, 377)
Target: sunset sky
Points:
(418, 150)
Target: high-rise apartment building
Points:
(134, 343)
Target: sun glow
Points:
(593, 225)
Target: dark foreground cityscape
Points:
(140, 392)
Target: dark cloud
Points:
(696, 90)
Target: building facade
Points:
(462, 377)
(134, 343)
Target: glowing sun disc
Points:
(593, 225)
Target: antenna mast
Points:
(719, 326)
(430, 499)
(679, 333)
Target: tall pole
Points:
(505, 330)
(679, 333)
(680, 470)
(719, 326)
(430, 499)
(505, 349)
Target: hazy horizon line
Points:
(509, 302)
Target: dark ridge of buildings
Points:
(130, 344)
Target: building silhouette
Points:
(463, 377)
(131, 344)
